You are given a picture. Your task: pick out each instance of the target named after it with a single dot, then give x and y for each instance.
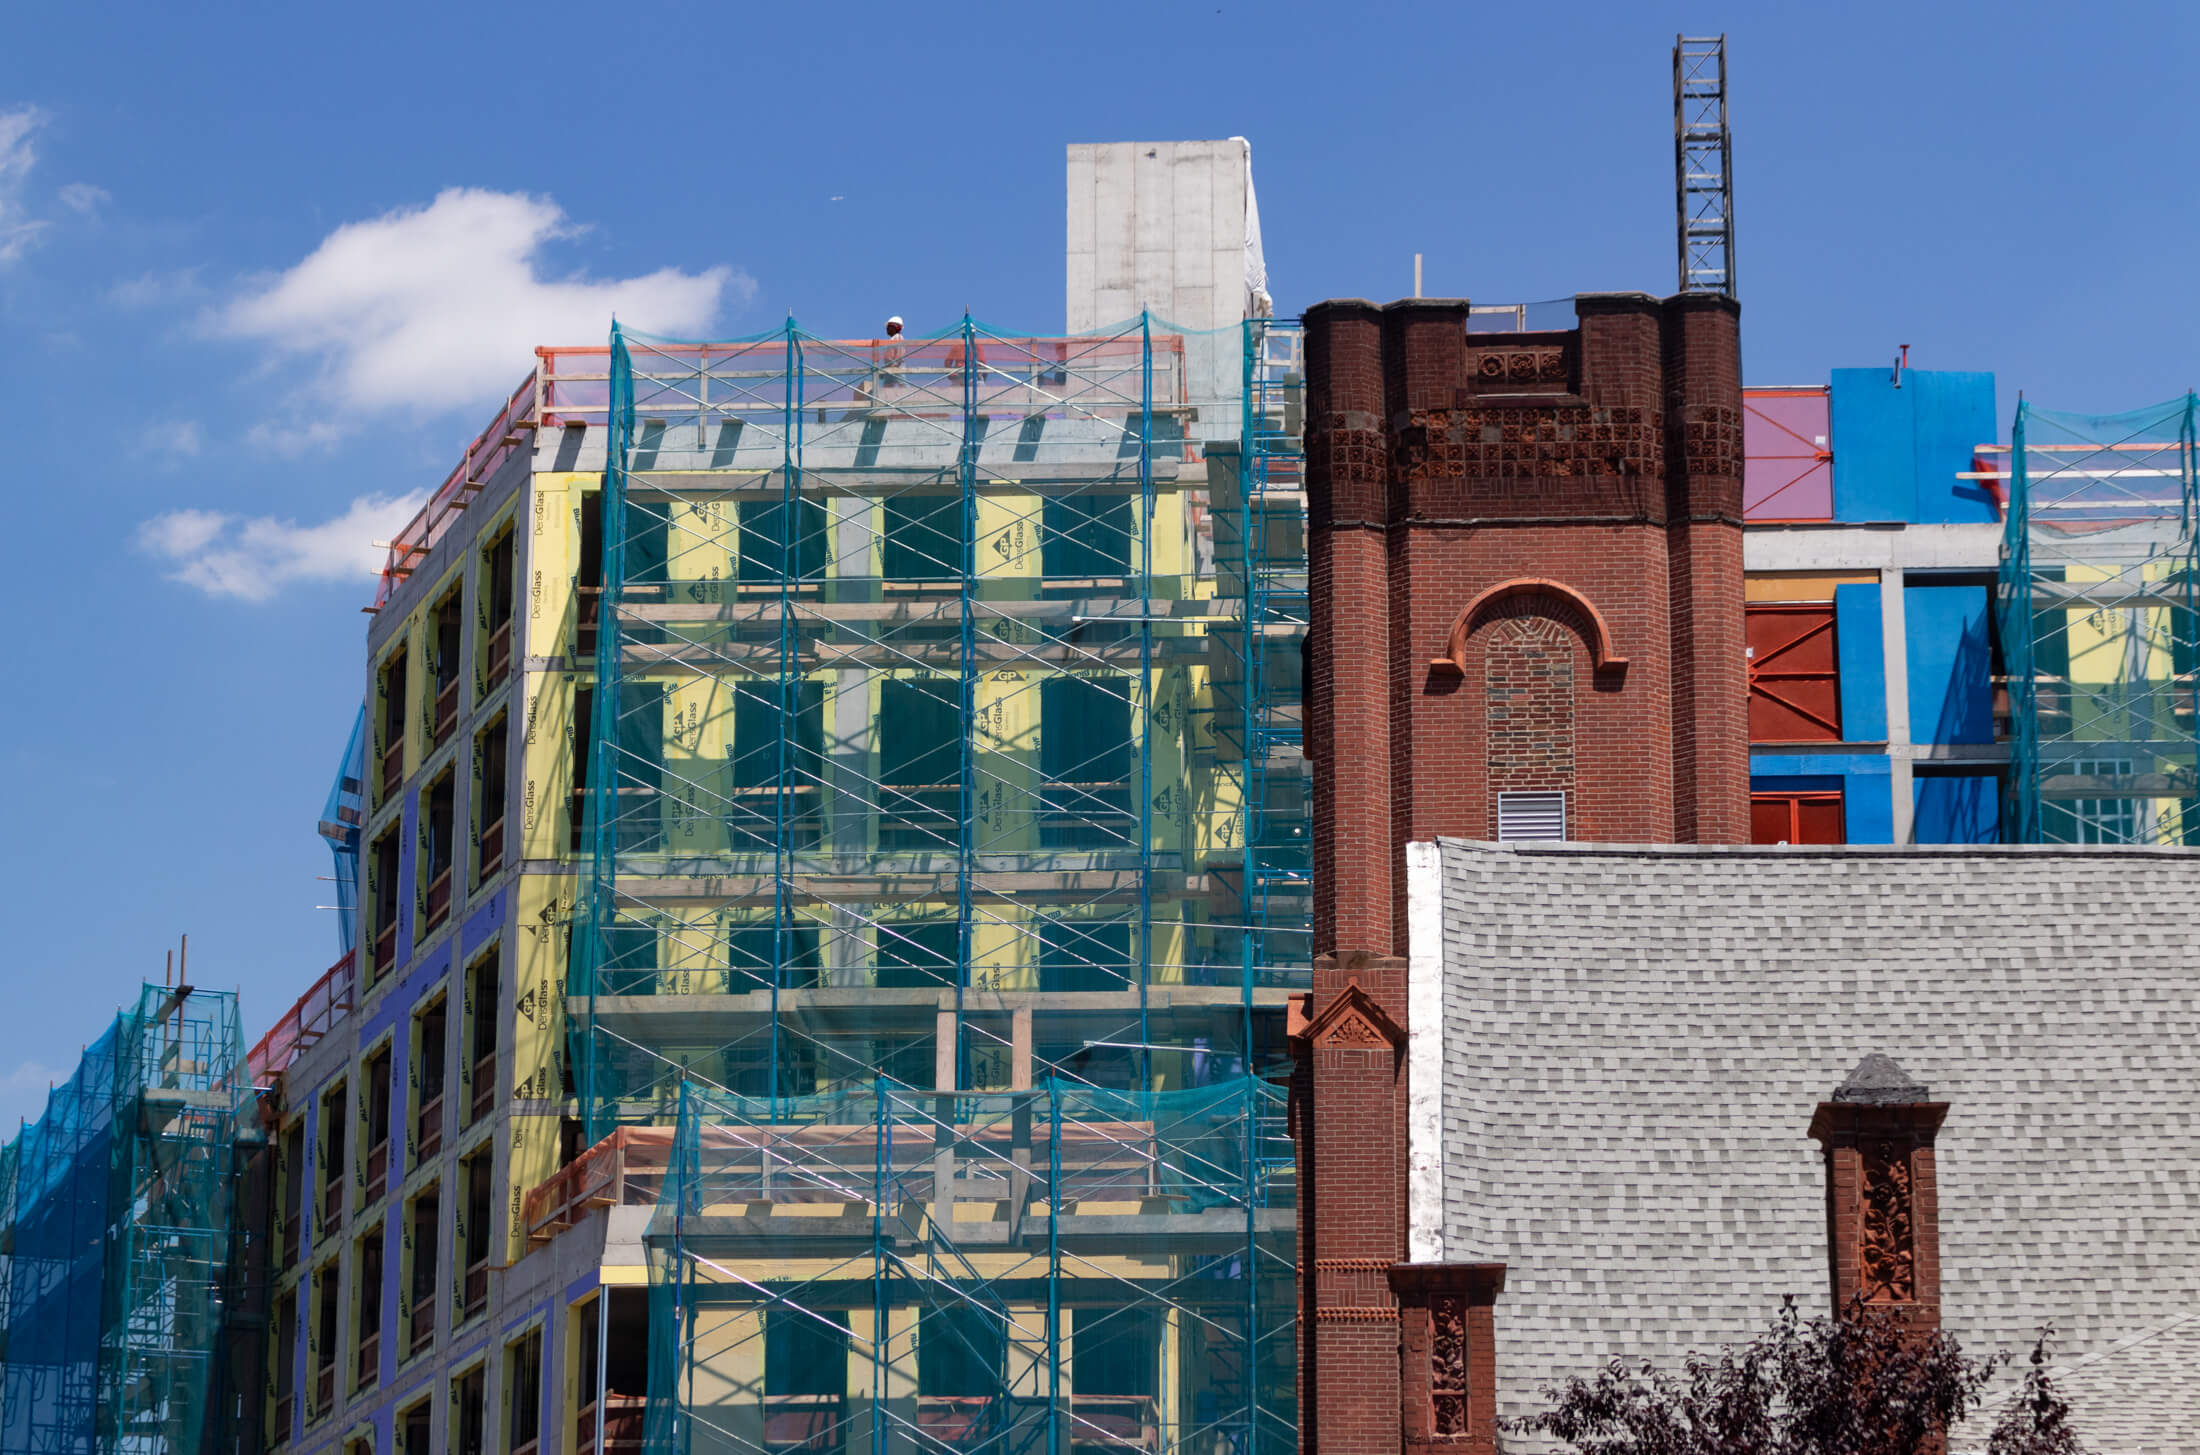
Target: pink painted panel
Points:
(1787, 471)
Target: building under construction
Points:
(832, 856)
(2100, 616)
(129, 1306)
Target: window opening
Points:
(920, 764)
(751, 949)
(469, 1412)
(386, 851)
(588, 576)
(326, 1325)
(482, 1042)
(286, 1368)
(427, 1211)
(926, 539)
(378, 1125)
(393, 724)
(525, 1406)
(763, 541)
(428, 1113)
(489, 752)
(1085, 764)
(449, 623)
(1086, 539)
(370, 1308)
(584, 709)
(918, 954)
(759, 729)
(333, 1113)
(442, 804)
(500, 584)
(1084, 955)
(478, 1212)
(805, 1378)
(294, 1190)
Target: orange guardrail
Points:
(315, 1014)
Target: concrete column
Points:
(1019, 1049)
(850, 761)
(944, 1069)
(1894, 646)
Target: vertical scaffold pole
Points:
(1253, 341)
(1054, 1266)
(967, 770)
(881, 1345)
(1144, 717)
(789, 694)
(1249, 1115)
(2020, 628)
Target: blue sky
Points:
(263, 270)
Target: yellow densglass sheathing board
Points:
(536, 984)
(547, 749)
(553, 556)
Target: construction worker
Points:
(891, 355)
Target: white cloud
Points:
(18, 230)
(252, 559)
(84, 197)
(440, 307)
(149, 290)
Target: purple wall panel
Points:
(1788, 459)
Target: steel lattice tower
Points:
(1703, 165)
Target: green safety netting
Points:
(116, 1238)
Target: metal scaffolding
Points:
(2100, 625)
(942, 791)
(1260, 550)
(1024, 1272)
(116, 1237)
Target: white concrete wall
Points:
(1157, 225)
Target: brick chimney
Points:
(1882, 1195)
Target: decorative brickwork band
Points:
(1882, 1196)
(1447, 1363)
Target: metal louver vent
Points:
(1526, 817)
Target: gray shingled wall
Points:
(1635, 1039)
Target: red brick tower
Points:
(1526, 578)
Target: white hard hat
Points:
(896, 321)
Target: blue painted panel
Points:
(1867, 787)
(1868, 809)
(1957, 808)
(1860, 638)
(1950, 676)
(409, 894)
(1762, 782)
(1897, 451)
(1955, 415)
(482, 925)
(1874, 447)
